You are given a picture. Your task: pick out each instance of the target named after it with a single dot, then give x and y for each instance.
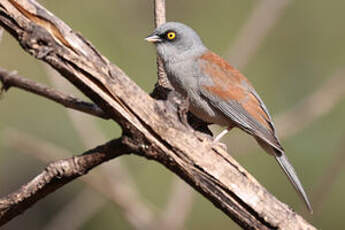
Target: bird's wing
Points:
(232, 94)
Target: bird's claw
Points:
(220, 144)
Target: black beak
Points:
(153, 38)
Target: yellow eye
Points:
(171, 35)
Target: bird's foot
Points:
(220, 135)
(221, 145)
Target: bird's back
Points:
(235, 97)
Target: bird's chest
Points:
(182, 77)
(185, 79)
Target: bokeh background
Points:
(292, 51)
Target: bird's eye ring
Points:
(171, 35)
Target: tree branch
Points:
(181, 197)
(112, 183)
(159, 18)
(55, 175)
(114, 178)
(12, 79)
(152, 127)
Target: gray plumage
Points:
(205, 79)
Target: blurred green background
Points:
(300, 53)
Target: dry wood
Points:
(12, 79)
(152, 127)
(54, 176)
(109, 181)
(159, 18)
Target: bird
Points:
(217, 92)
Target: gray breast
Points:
(185, 77)
(182, 76)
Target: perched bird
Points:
(217, 92)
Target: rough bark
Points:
(56, 175)
(152, 126)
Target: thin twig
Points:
(84, 125)
(159, 12)
(135, 210)
(151, 130)
(56, 175)
(159, 18)
(116, 172)
(180, 201)
(12, 79)
(264, 16)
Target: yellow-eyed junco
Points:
(217, 92)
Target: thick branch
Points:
(113, 179)
(55, 175)
(12, 79)
(153, 125)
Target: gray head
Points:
(175, 42)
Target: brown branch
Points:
(159, 12)
(159, 18)
(55, 175)
(180, 202)
(137, 212)
(264, 16)
(152, 127)
(118, 189)
(84, 125)
(12, 79)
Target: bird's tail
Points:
(293, 178)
